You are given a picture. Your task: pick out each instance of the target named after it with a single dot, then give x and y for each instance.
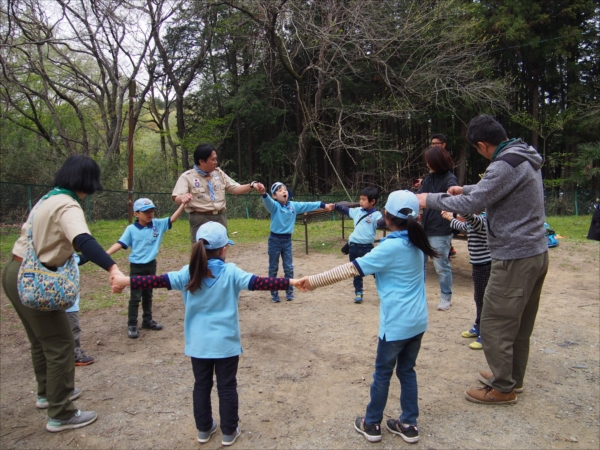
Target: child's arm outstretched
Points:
(456, 224)
(477, 222)
(162, 281)
(332, 276)
(342, 209)
(114, 248)
(185, 199)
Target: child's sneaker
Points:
(476, 345)
(289, 297)
(444, 305)
(229, 439)
(473, 332)
(358, 297)
(42, 402)
(204, 436)
(132, 332)
(152, 325)
(275, 296)
(410, 433)
(79, 419)
(372, 433)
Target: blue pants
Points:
(356, 251)
(442, 245)
(403, 355)
(281, 247)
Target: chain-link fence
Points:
(16, 200)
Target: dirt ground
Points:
(307, 366)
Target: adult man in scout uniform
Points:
(207, 184)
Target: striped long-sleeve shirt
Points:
(475, 227)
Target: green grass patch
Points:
(572, 228)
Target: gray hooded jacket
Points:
(513, 198)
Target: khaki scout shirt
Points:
(197, 184)
(56, 222)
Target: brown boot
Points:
(484, 376)
(490, 396)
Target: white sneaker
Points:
(444, 304)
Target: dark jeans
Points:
(356, 251)
(51, 339)
(145, 295)
(225, 370)
(281, 247)
(402, 354)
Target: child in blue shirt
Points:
(211, 290)
(365, 227)
(144, 237)
(397, 263)
(283, 217)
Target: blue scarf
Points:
(211, 190)
(396, 234)
(216, 267)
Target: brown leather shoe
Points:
(484, 376)
(490, 396)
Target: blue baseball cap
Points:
(143, 204)
(404, 201)
(277, 185)
(214, 234)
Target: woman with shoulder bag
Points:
(55, 228)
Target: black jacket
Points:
(432, 220)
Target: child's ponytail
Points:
(418, 237)
(416, 233)
(198, 266)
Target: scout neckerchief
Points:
(58, 190)
(211, 190)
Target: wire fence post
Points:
(247, 212)
(576, 207)
(29, 197)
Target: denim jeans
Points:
(442, 245)
(356, 251)
(225, 370)
(143, 295)
(403, 355)
(281, 246)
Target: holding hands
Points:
(329, 206)
(258, 187)
(447, 215)
(186, 198)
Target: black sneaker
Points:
(132, 332)
(152, 325)
(409, 433)
(81, 359)
(372, 433)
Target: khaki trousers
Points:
(196, 220)
(510, 306)
(52, 348)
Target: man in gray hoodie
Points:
(511, 192)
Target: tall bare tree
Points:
(72, 61)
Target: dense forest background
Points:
(326, 95)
